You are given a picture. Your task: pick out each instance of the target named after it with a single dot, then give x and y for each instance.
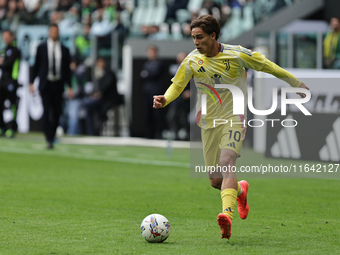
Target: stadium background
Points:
(289, 33)
(90, 194)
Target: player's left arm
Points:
(279, 72)
(259, 62)
(302, 85)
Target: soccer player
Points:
(213, 63)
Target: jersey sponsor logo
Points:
(227, 64)
(231, 145)
(200, 62)
(201, 70)
(216, 79)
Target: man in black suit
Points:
(103, 97)
(52, 66)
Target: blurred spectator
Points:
(104, 24)
(211, 7)
(226, 9)
(12, 19)
(3, 11)
(331, 45)
(83, 46)
(186, 25)
(152, 79)
(69, 23)
(9, 65)
(178, 115)
(46, 7)
(173, 7)
(87, 8)
(81, 75)
(150, 31)
(101, 27)
(277, 5)
(109, 12)
(102, 98)
(232, 3)
(55, 17)
(64, 5)
(82, 56)
(72, 108)
(32, 6)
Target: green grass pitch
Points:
(81, 199)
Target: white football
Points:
(155, 228)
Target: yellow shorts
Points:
(221, 137)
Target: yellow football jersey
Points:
(228, 67)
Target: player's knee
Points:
(216, 183)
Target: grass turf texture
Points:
(80, 199)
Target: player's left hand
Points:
(304, 87)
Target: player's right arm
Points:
(159, 102)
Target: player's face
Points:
(204, 42)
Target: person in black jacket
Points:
(102, 98)
(9, 65)
(52, 66)
(152, 77)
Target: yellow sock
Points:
(229, 197)
(239, 189)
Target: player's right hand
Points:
(159, 102)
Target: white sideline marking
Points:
(124, 141)
(95, 157)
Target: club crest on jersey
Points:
(216, 79)
(227, 64)
(200, 62)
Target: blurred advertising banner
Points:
(315, 137)
(295, 135)
(28, 39)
